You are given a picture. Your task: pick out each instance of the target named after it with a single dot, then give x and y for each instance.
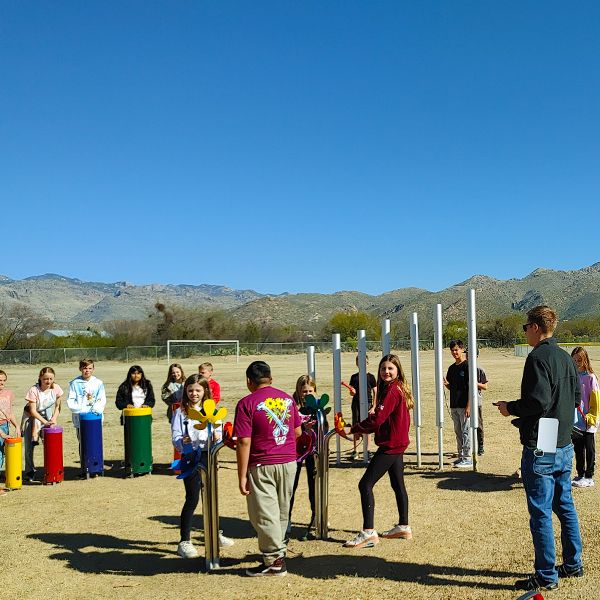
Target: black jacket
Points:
(124, 396)
(549, 388)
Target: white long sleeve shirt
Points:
(86, 396)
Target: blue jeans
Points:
(547, 482)
(5, 429)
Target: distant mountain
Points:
(71, 301)
(74, 302)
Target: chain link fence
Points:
(129, 354)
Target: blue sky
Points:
(296, 146)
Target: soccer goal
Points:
(187, 348)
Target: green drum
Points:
(138, 440)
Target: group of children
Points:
(267, 425)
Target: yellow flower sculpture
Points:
(208, 414)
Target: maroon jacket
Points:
(390, 422)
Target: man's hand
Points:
(467, 411)
(502, 408)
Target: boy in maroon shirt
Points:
(267, 424)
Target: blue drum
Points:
(92, 455)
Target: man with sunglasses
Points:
(549, 388)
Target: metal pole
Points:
(362, 385)
(337, 386)
(310, 362)
(416, 382)
(473, 396)
(385, 337)
(438, 345)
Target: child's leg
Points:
(5, 429)
(377, 467)
(454, 412)
(192, 484)
(311, 474)
(579, 447)
(28, 447)
(590, 454)
(396, 474)
(296, 481)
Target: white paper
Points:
(547, 435)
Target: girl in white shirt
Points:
(42, 410)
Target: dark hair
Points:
(382, 386)
(144, 383)
(587, 366)
(191, 380)
(454, 343)
(259, 372)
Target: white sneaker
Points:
(590, 482)
(464, 464)
(224, 541)
(576, 481)
(579, 482)
(363, 539)
(586, 482)
(186, 550)
(403, 532)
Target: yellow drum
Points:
(14, 463)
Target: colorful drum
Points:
(53, 454)
(13, 462)
(92, 455)
(138, 440)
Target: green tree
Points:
(348, 323)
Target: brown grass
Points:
(113, 536)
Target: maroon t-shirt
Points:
(268, 417)
(390, 422)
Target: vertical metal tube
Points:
(438, 344)
(310, 362)
(362, 385)
(319, 498)
(385, 337)
(416, 382)
(473, 395)
(337, 386)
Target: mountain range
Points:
(72, 302)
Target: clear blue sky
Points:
(298, 146)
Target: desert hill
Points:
(70, 301)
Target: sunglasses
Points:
(527, 325)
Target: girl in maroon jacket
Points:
(390, 422)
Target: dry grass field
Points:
(116, 537)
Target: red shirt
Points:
(215, 390)
(390, 422)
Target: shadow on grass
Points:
(331, 566)
(454, 479)
(232, 527)
(107, 554)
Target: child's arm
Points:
(99, 399)
(243, 457)
(149, 401)
(73, 400)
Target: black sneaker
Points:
(564, 573)
(480, 451)
(276, 569)
(534, 583)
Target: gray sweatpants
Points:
(269, 506)
(463, 432)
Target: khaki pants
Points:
(269, 506)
